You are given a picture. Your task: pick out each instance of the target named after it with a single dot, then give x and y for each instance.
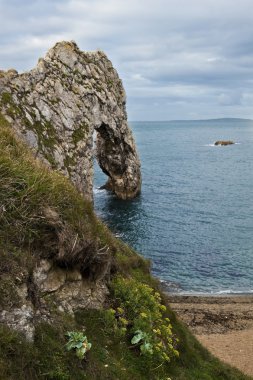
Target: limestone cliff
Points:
(56, 108)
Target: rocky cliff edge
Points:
(57, 106)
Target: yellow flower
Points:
(123, 321)
(158, 331)
(165, 356)
(163, 308)
(120, 310)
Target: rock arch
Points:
(57, 106)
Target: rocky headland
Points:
(57, 106)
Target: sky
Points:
(178, 59)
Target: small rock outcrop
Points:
(51, 288)
(56, 108)
(224, 142)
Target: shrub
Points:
(141, 314)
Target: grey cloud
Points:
(177, 58)
(230, 98)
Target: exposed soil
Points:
(223, 324)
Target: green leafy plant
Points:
(78, 342)
(146, 320)
(143, 338)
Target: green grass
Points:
(34, 203)
(110, 357)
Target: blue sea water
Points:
(194, 217)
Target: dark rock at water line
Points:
(224, 142)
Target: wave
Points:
(175, 289)
(118, 235)
(171, 287)
(230, 291)
(98, 190)
(212, 292)
(236, 143)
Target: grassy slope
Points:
(26, 187)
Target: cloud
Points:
(177, 58)
(230, 98)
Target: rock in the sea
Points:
(224, 142)
(56, 108)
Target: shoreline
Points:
(174, 289)
(207, 295)
(223, 323)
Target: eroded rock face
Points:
(51, 288)
(68, 290)
(56, 108)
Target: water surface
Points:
(194, 217)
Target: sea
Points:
(194, 216)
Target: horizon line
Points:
(176, 120)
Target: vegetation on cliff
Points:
(135, 335)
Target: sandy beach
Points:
(223, 324)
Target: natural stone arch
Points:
(56, 107)
(117, 157)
